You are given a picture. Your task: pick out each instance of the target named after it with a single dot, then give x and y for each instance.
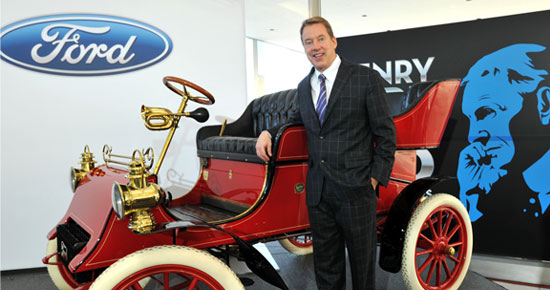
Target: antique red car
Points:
(123, 231)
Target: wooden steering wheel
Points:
(206, 98)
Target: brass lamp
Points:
(137, 198)
(87, 163)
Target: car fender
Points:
(393, 234)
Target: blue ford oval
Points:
(83, 45)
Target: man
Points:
(502, 88)
(344, 111)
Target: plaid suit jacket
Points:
(357, 117)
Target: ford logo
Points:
(83, 45)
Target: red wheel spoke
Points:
(425, 243)
(166, 281)
(432, 229)
(459, 243)
(446, 267)
(430, 271)
(455, 229)
(428, 251)
(448, 224)
(454, 259)
(193, 284)
(440, 224)
(426, 263)
(438, 274)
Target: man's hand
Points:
(263, 146)
(374, 183)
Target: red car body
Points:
(273, 195)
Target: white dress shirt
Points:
(330, 74)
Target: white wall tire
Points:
(173, 262)
(299, 245)
(54, 271)
(438, 244)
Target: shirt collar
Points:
(331, 71)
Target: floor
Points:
(511, 286)
(296, 271)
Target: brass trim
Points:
(88, 162)
(450, 251)
(244, 213)
(223, 127)
(171, 133)
(142, 222)
(146, 157)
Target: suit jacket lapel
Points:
(341, 78)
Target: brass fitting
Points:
(87, 163)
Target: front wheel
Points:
(171, 267)
(438, 244)
(58, 273)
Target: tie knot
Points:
(322, 77)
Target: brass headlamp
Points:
(87, 163)
(137, 198)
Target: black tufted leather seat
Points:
(415, 94)
(402, 103)
(239, 139)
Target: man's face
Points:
(490, 108)
(319, 46)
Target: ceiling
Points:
(278, 21)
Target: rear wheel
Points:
(438, 244)
(299, 245)
(168, 267)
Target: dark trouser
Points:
(345, 217)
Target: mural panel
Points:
(497, 143)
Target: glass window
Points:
(276, 68)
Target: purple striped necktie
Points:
(322, 100)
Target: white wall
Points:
(47, 119)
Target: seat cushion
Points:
(240, 142)
(244, 145)
(230, 148)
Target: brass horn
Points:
(157, 118)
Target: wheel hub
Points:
(442, 249)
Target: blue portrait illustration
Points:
(506, 97)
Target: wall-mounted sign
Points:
(497, 141)
(83, 45)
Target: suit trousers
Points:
(344, 218)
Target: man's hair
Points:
(315, 20)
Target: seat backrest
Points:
(273, 109)
(395, 102)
